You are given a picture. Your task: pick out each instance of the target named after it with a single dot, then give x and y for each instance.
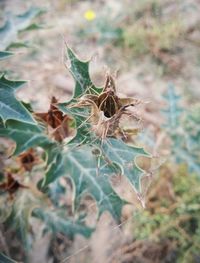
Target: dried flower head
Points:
(107, 109)
(27, 159)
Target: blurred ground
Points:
(140, 76)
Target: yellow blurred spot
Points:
(90, 15)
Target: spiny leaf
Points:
(83, 85)
(20, 44)
(20, 217)
(5, 207)
(11, 83)
(125, 156)
(80, 72)
(57, 221)
(25, 135)
(34, 26)
(80, 165)
(24, 21)
(1, 123)
(83, 171)
(173, 112)
(83, 127)
(55, 166)
(55, 192)
(10, 30)
(5, 54)
(5, 259)
(10, 107)
(7, 35)
(183, 155)
(191, 127)
(185, 135)
(186, 142)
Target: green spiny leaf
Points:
(83, 85)
(9, 32)
(83, 171)
(185, 134)
(7, 35)
(186, 143)
(55, 166)
(5, 207)
(25, 135)
(5, 259)
(11, 108)
(173, 112)
(24, 21)
(83, 127)
(19, 219)
(55, 191)
(20, 44)
(80, 71)
(57, 221)
(182, 154)
(35, 26)
(80, 165)
(125, 156)
(5, 54)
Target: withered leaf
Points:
(57, 120)
(63, 130)
(11, 185)
(54, 116)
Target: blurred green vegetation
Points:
(183, 127)
(171, 221)
(173, 213)
(142, 38)
(139, 27)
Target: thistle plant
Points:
(81, 140)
